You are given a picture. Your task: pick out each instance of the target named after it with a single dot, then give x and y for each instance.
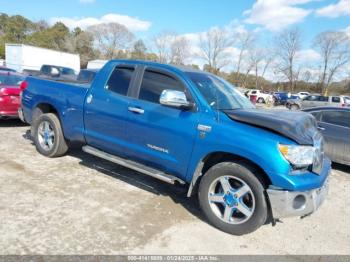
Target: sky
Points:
(146, 18)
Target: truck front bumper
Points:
(299, 203)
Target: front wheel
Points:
(233, 199)
(48, 136)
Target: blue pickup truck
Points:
(247, 166)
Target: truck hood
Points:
(298, 126)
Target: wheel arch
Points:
(214, 158)
(44, 108)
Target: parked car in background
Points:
(57, 72)
(187, 126)
(316, 101)
(339, 101)
(54, 72)
(302, 95)
(10, 89)
(86, 75)
(280, 98)
(334, 124)
(347, 100)
(261, 96)
(4, 68)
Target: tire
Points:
(261, 100)
(294, 107)
(42, 135)
(255, 201)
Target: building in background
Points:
(24, 57)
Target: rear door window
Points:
(154, 83)
(340, 118)
(311, 98)
(335, 99)
(120, 80)
(322, 99)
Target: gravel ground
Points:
(79, 204)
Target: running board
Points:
(133, 165)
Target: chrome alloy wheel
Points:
(231, 199)
(46, 135)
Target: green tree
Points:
(14, 29)
(81, 42)
(54, 37)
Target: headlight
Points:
(298, 156)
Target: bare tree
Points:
(249, 68)
(179, 50)
(260, 60)
(162, 43)
(334, 48)
(287, 46)
(213, 45)
(111, 38)
(244, 42)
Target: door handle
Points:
(136, 110)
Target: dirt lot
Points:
(79, 204)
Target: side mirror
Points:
(54, 72)
(175, 99)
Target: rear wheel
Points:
(232, 198)
(48, 136)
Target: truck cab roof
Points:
(182, 68)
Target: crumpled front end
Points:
(286, 203)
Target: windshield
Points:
(11, 80)
(218, 93)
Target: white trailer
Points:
(20, 57)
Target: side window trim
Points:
(332, 124)
(316, 112)
(130, 87)
(166, 73)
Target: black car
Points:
(334, 124)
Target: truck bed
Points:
(67, 98)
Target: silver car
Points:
(317, 101)
(334, 124)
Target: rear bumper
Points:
(8, 107)
(21, 115)
(8, 114)
(286, 203)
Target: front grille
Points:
(319, 153)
